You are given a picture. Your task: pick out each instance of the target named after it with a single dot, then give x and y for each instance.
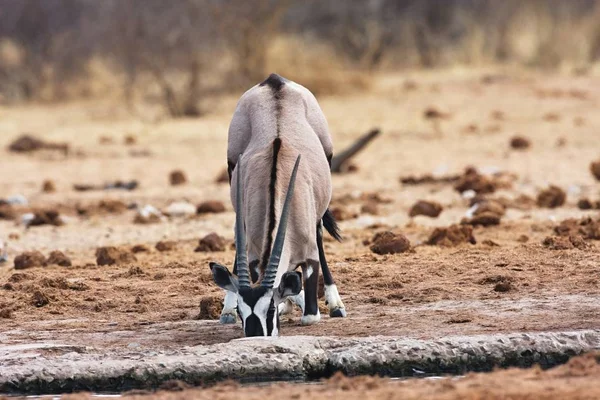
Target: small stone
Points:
(503, 287)
(210, 207)
(166, 245)
(48, 186)
(58, 258)
(140, 248)
(430, 209)
(520, 143)
(112, 255)
(595, 169)
(177, 177)
(180, 209)
(211, 242)
(370, 208)
(29, 259)
(483, 219)
(552, 197)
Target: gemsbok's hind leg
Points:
(310, 274)
(332, 297)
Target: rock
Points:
(46, 217)
(48, 186)
(210, 206)
(519, 143)
(140, 248)
(595, 169)
(503, 287)
(130, 140)
(430, 209)
(112, 255)
(434, 113)
(210, 307)
(452, 236)
(552, 197)
(148, 215)
(17, 200)
(585, 204)
(341, 213)
(211, 242)
(166, 245)
(389, 243)
(177, 177)
(58, 258)
(25, 144)
(180, 209)
(30, 259)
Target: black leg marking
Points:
(310, 272)
(327, 277)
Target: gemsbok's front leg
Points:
(332, 297)
(310, 274)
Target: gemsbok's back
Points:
(279, 154)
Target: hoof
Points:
(310, 319)
(227, 319)
(337, 313)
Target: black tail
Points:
(331, 226)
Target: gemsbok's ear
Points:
(223, 278)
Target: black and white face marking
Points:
(256, 308)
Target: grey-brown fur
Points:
(281, 109)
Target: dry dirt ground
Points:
(432, 123)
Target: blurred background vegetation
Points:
(180, 53)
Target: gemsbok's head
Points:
(257, 305)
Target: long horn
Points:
(271, 271)
(241, 258)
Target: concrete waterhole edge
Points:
(301, 358)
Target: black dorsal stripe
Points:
(272, 187)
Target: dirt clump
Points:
(39, 299)
(223, 177)
(389, 243)
(412, 180)
(210, 207)
(211, 242)
(166, 245)
(140, 248)
(433, 113)
(588, 228)
(473, 180)
(551, 197)
(595, 169)
(48, 186)
(46, 217)
(177, 178)
(30, 259)
(520, 142)
(565, 242)
(129, 140)
(57, 257)
(112, 255)
(6, 313)
(112, 206)
(7, 212)
(503, 287)
(430, 209)
(341, 213)
(210, 307)
(370, 207)
(28, 143)
(587, 204)
(453, 235)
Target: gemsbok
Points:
(279, 156)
